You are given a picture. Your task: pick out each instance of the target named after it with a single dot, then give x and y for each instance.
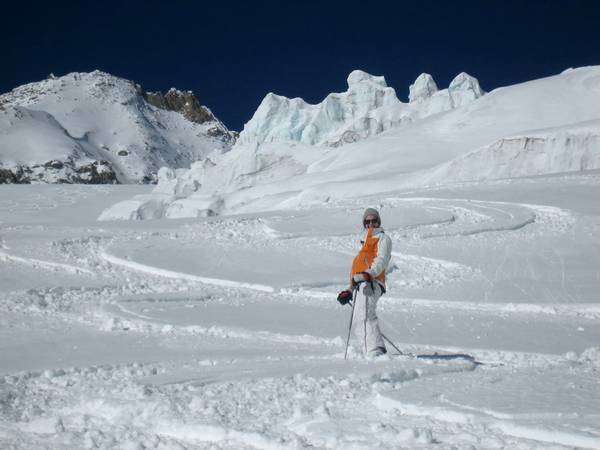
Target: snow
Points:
(224, 331)
(96, 116)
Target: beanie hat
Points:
(371, 212)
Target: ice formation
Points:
(367, 108)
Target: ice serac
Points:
(98, 128)
(426, 100)
(464, 89)
(367, 108)
(422, 89)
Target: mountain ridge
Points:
(97, 118)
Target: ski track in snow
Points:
(183, 276)
(311, 400)
(47, 265)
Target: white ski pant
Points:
(366, 327)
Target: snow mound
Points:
(200, 190)
(367, 108)
(81, 118)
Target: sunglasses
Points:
(371, 221)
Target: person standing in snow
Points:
(368, 276)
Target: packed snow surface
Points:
(224, 332)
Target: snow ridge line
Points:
(486, 229)
(115, 260)
(48, 265)
(590, 311)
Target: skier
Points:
(368, 275)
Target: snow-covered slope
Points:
(367, 108)
(561, 149)
(82, 120)
(225, 332)
(543, 126)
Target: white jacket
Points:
(384, 253)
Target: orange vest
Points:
(365, 257)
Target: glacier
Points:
(534, 128)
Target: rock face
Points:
(367, 108)
(182, 102)
(68, 172)
(102, 129)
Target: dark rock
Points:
(183, 102)
(18, 175)
(7, 176)
(215, 132)
(149, 179)
(97, 172)
(61, 172)
(155, 99)
(54, 164)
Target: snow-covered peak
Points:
(105, 118)
(422, 89)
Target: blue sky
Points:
(233, 53)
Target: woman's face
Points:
(371, 221)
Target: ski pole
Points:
(350, 325)
(391, 343)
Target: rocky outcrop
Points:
(7, 177)
(183, 102)
(60, 172)
(186, 103)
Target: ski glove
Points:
(344, 297)
(360, 277)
